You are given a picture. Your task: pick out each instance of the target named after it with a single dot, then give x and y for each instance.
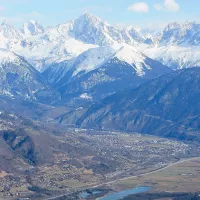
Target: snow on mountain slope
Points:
(102, 71)
(8, 31)
(172, 46)
(50, 47)
(7, 56)
(44, 46)
(92, 59)
(134, 58)
(18, 79)
(175, 57)
(96, 57)
(84, 63)
(177, 34)
(177, 46)
(40, 46)
(9, 36)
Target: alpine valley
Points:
(84, 105)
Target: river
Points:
(117, 195)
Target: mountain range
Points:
(100, 72)
(167, 106)
(176, 46)
(107, 77)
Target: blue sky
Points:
(145, 13)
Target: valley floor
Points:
(88, 159)
(181, 177)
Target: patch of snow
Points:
(85, 96)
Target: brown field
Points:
(3, 174)
(181, 177)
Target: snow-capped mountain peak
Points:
(172, 26)
(45, 46)
(91, 29)
(32, 28)
(7, 31)
(189, 24)
(5, 23)
(88, 17)
(176, 34)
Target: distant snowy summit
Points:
(185, 34)
(176, 46)
(32, 28)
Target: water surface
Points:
(84, 195)
(125, 193)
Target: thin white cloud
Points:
(158, 7)
(139, 7)
(172, 5)
(168, 5)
